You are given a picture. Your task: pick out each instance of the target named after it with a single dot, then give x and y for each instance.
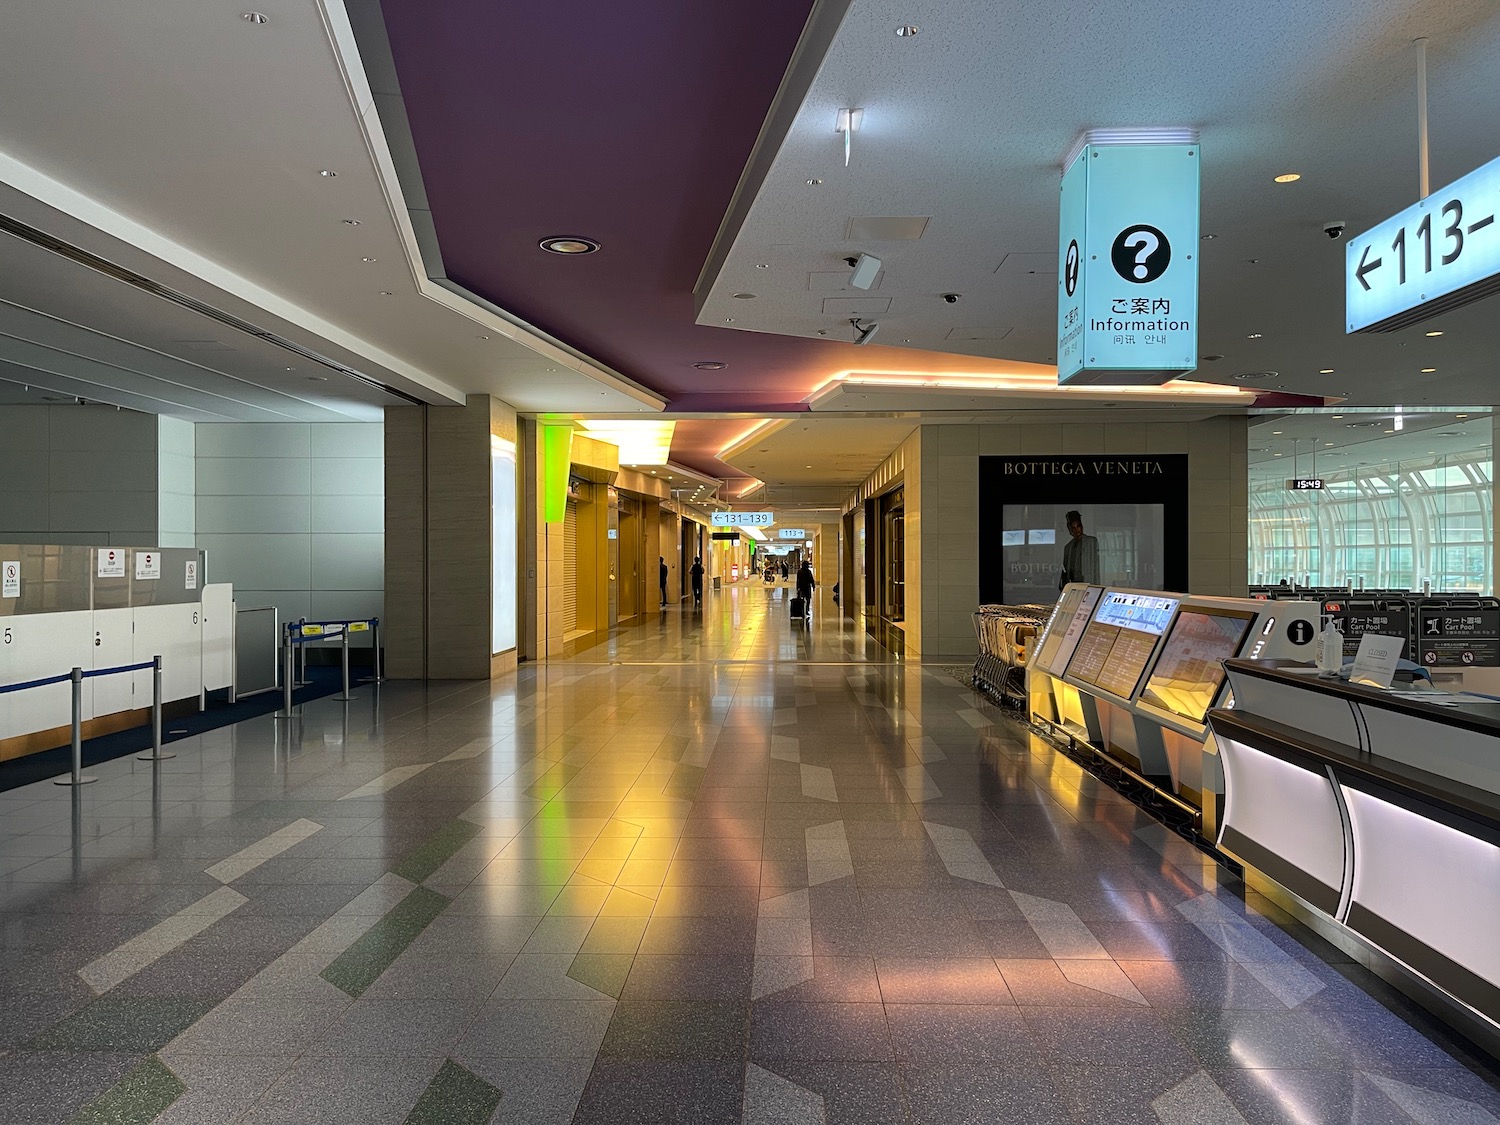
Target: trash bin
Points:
(716, 581)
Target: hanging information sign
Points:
(742, 519)
(1127, 291)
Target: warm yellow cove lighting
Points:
(1028, 385)
(640, 441)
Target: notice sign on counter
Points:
(147, 566)
(10, 580)
(190, 575)
(1459, 638)
(1375, 662)
(112, 563)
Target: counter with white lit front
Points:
(1380, 811)
(1132, 674)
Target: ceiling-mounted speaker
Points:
(865, 270)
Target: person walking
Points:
(697, 576)
(662, 572)
(805, 586)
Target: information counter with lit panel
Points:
(1379, 811)
(1133, 673)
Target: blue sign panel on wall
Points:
(1127, 294)
(1438, 254)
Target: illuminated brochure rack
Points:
(1134, 673)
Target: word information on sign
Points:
(1440, 253)
(112, 563)
(1305, 484)
(190, 575)
(742, 519)
(147, 566)
(1127, 294)
(10, 580)
(792, 533)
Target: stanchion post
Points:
(301, 656)
(287, 673)
(375, 649)
(344, 659)
(156, 697)
(76, 776)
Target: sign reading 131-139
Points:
(1440, 253)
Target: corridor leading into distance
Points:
(719, 868)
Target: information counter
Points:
(1380, 811)
(1133, 674)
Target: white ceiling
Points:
(968, 122)
(1313, 442)
(136, 131)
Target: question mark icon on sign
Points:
(1144, 245)
(1140, 253)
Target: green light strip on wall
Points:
(557, 458)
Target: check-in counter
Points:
(1380, 811)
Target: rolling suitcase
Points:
(799, 609)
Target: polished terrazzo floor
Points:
(719, 869)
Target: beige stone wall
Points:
(439, 565)
(1218, 506)
(940, 468)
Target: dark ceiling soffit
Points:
(374, 43)
(99, 265)
(822, 25)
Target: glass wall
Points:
(1331, 503)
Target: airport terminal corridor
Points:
(720, 869)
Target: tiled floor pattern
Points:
(718, 870)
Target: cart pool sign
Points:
(1440, 253)
(1127, 288)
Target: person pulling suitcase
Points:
(803, 601)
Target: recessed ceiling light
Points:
(744, 296)
(1279, 455)
(1434, 333)
(1325, 371)
(710, 365)
(1390, 431)
(813, 183)
(1245, 376)
(1428, 370)
(1460, 416)
(1328, 443)
(906, 31)
(351, 222)
(1209, 237)
(369, 259)
(255, 17)
(328, 173)
(569, 245)
(484, 337)
(1253, 336)
(729, 320)
(1212, 358)
(763, 265)
(1288, 177)
(386, 293)
(1276, 433)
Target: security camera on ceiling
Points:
(1334, 229)
(865, 270)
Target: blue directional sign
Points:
(1438, 254)
(1127, 292)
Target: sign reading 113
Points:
(1436, 255)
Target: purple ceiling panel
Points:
(626, 123)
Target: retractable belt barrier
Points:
(76, 678)
(298, 634)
